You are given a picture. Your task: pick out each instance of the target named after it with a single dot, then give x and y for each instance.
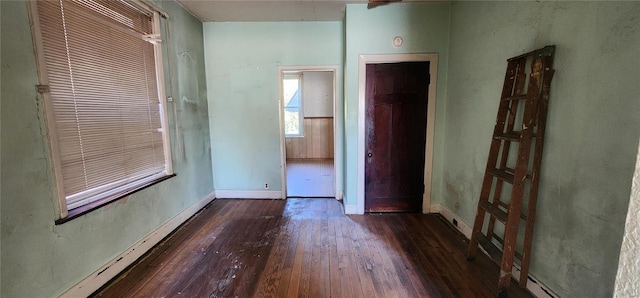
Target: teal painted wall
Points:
(40, 259)
(592, 135)
(242, 83)
(592, 129)
(425, 29)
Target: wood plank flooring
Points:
(308, 248)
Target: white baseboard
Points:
(248, 194)
(351, 209)
(462, 226)
(534, 286)
(103, 275)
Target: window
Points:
(292, 94)
(100, 70)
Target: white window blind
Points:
(108, 116)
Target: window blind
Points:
(101, 69)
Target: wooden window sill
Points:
(82, 210)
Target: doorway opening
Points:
(307, 109)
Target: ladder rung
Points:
(516, 97)
(517, 254)
(495, 211)
(512, 172)
(493, 251)
(546, 51)
(506, 206)
(503, 204)
(525, 55)
(513, 136)
(500, 174)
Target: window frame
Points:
(299, 76)
(63, 212)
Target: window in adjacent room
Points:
(101, 74)
(292, 94)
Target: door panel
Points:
(395, 136)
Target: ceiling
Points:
(267, 10)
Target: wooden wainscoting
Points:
(317, 142)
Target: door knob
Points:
(369, 154)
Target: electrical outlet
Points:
(266, 185)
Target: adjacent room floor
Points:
(310, 178)
(308, 248)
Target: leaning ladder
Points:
(521, 120)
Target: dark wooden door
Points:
(395, 136)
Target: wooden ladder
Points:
(526, 110)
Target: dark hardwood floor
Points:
(308, 248)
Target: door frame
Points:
(283, 149)
(363, 60)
